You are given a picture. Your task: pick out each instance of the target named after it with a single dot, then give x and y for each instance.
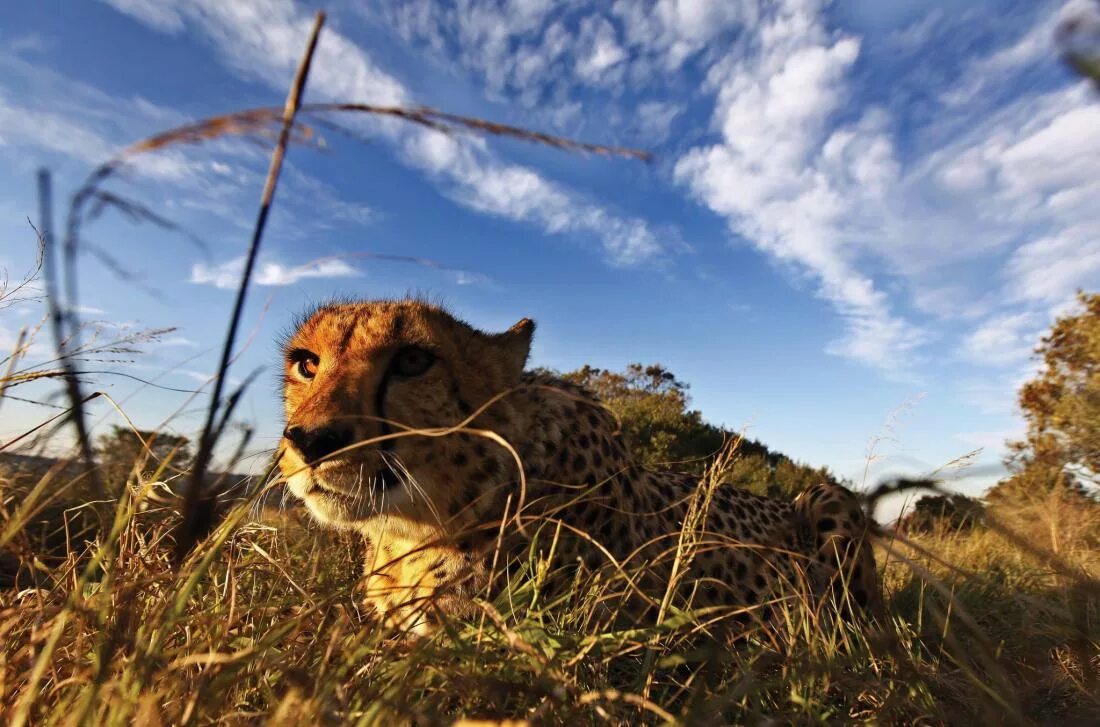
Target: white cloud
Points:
(203, 378)
(507, 190)
(1058, 153)
(51, 132)
(504, 41)
(180, 341)
(983, 209)
(87, 310)
(45, 113)
(985, 72)
(794, 190)
(465, 277)
(654, 120)
(28, 43)
(161, 15)
(227, 275)
(992, 192)
(990, 442)
(1004, 339)
(1080, 34)
(263, 40)
(917, 34)
(546, 56)
(600, 48)
(1051, 268)
(1022, 181)
(672, 31)
(994, 394)
(49, 112)
(35, 347)
(531, 50)
(307, 197)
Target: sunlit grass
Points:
(263, 622)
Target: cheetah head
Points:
(361, 379)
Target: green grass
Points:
(262, 624)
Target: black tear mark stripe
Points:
(383, 386)
(388, 445)
(463, 405)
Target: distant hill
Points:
(28, 468)
(60, 525)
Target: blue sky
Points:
(860, 217)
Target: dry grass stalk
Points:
(197, 513)
(62, 332)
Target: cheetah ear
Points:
(515, 345)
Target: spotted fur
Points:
(373, 392)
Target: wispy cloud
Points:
(160, 15)
(975, 208)
(654, 120)
(1004, 339)
(47, 113)
(1000, 181)
(25, 44)
(87, 310)
(540, 52)
(203, 378)
(1021, 188)
(227, 275)
(178, 341)
(792, 187)
(602, 62)
(1028, 49)
(476, 179)
(50, 132)
(262, 41)
(993, 442)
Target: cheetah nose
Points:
(315, 444)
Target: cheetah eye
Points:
(305, 363)
(412, 361)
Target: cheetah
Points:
(428, 437)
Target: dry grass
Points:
(261, 624)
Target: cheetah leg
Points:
(415, 588)
(838, 536)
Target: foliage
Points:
(1061, 405)
(940, 513)
(123, 452)
(1078, 37)
(662, 430)
(652, 406)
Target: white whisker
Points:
(413, 486)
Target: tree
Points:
(652, 405)
(663, 431)
(1078, 37)
(951, 511)
(119, 450)
(1061, 406)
